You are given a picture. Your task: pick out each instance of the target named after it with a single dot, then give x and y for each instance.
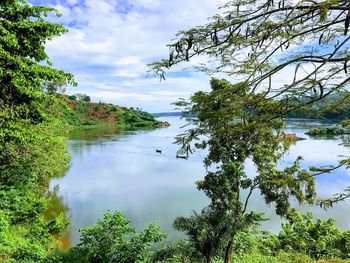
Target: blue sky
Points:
(110, 42)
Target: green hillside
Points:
(78, 112)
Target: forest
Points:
(234, 122)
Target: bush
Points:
(111, 239)
(319, 240)
(335, 130)
(281, 258)
(181, 251)
(72, 97)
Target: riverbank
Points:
(87, 115)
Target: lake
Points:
(120, 170)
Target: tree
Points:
(235, 130)
(83, 97)
(31, 148)
(111, 239)
(74, 97)
(23, 35)
(258, 41)
(206, 232)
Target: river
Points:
(120, 170)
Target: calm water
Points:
(114, 170)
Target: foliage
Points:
(335, 130)
(82, 97)
(283, 257)
(327, 108)
(249, 40)
(111, 239)
(317, 240)
(23, 35)
(302, 239)
(82, 112)
(345, 123)
(138, 118)
(24, 181)
(206, 232)
(234, 130)
(259, 41)
(269, 33)
(32, 148)
(72, 97)
(180, 251)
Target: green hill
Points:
(85, 113)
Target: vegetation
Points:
(235, 132)
(255, 41)
(82, 112)
(300, 240)
(326, 108)
(320, 240)
(234, 122)
(327, 131)
(111, 239)
(32, 133)
(31, 150)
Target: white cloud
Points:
(73, 2)
(128, 60)
(147, 4)
(110, 42)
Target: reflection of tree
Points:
(55, 208)
(56, 204)
(93, 134)
(345, 138)
(83, 140)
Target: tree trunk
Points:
(208, 259)
(228, 252)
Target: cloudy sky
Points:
(110, 42)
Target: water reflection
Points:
(56, 206)
(113, 170)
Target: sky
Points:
(110, 42)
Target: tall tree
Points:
(305, 43)
(235, 130)
(23, 34)
(293, 52)
(31, 148)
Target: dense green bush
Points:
(281, 258)
(335, 130)
(137, 118)
(319, 240)
(181, 251)
(112, 239)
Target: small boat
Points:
(181, 157)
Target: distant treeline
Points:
(166, 114)
(325, 109)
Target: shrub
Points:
(111, 239)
